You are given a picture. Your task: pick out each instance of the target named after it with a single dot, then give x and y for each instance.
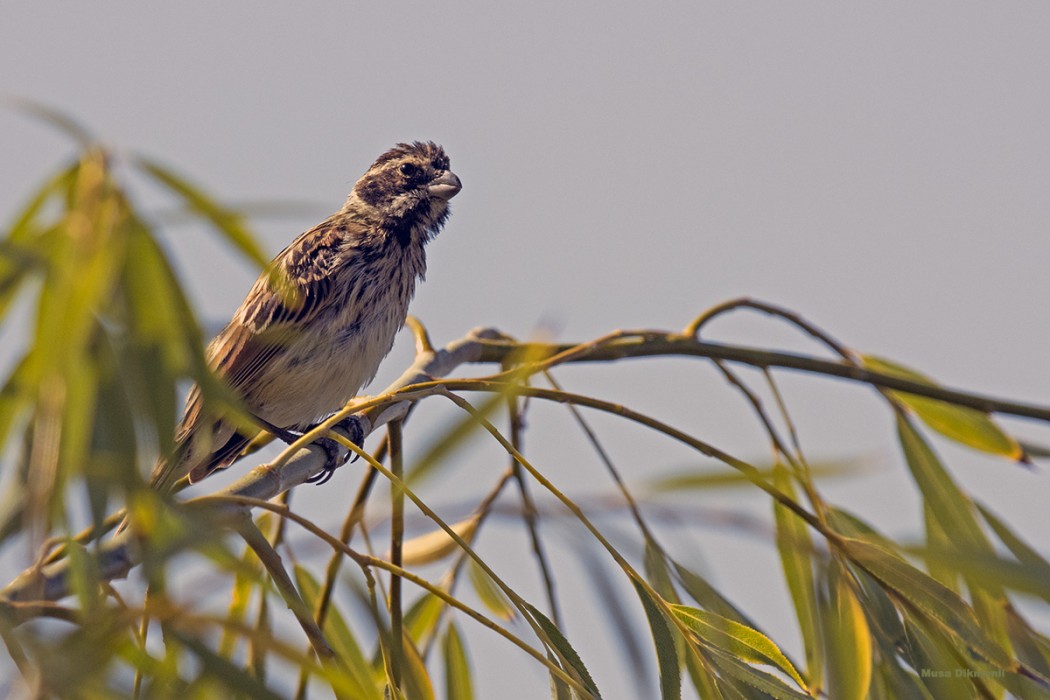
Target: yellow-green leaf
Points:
(847, 639)
(490, 594)
(796, 557)
(359, 673)
(458, 685)
(939, 603)
(570, 660)
(436, 545)
(735, 639)
(225, 220)
(666, 654)
(965, 425)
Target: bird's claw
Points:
(333, 458)
(332, 461)
(354, 431)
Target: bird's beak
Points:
(445, 186)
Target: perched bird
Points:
(315, 326)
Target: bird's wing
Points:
(293, 292)
(283, 300)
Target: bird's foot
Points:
(333, 457)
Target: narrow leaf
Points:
(847, 639)
(225, 221)
(458, 685)
(436, 545)
(666, 654)
(965, 425)
(735, 639)
(950, 611)
(336, 630)
(795, 547)
(490, 594)
(571, 661)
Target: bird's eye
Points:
(408, 169)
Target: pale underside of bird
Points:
(315, 325)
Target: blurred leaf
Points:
(892, 682)
(571, 661)
(985, 571)
(1030, 646)
(233, 677)
(415, 678)
(735, 639)
(54, 118)
(360, 674)
(458, 685)
(225, 221)
(937, 540)
(436, 545)
(701, 590)
(690, 478)
(952, 508)
(490, 594)
(422, 617)
(705, 682)
(658, 573)
(932, 598)
(615, 608)
(666, 654)
(795, 547)
(1018, 547)
(240, 596)
(965, 425)
(847, 639)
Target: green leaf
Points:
(458, 685)
(233, 677)
(691, 478)
(735, 639)
(422, 617)
(240, 596)
(223, 219)
(658, 573)
(744, 680)
(847, 639)
(336, 630)
(415, 678)
(1018, 547)
(949, 505)
(490, 594)
(709, 598)
(965, 425)
(937, 664)
(570, 660)
(796, 557)
(935, 600)
(706, 683)
(666, 654)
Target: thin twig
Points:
(397, 537)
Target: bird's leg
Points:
(285, 436)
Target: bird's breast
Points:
(331, 359)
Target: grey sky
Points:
(881, 168)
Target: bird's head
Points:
(406, 191)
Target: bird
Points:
(316, 324)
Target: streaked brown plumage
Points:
(313, 330)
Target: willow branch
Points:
(119, 555)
